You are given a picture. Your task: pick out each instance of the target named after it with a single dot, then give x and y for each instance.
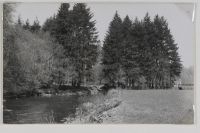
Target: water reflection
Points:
(40, 109)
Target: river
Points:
(41, 109)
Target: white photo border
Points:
(115, 128)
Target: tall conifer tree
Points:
(111, 50)
(130, 53)
(84, 41)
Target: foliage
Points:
(36, 26)
(30, 60)
(187, 75)
(112, 50)
(27, 26)
(142, 49)
(11, 66)
(66, 50)
(76, 32)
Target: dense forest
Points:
(65, 50)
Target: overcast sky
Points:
(179, 17)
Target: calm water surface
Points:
(40, 109)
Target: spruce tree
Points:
(19, 21)
(145, 51)
(165, 55)
(27, 26)
(111, 50)
(63, 26)
(50, 26)
(59, 28)
(84, 54)
(36, 26)
(76, 31)
(142, 49)
(160, 53)
(130, 54)
(174, 59)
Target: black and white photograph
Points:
(98, 63)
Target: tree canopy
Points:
(141, 49)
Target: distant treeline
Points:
(66, 50)
(187, 76)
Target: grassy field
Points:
(153, 107)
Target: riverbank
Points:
(47, 92)
(139, 107)
(94, 111)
